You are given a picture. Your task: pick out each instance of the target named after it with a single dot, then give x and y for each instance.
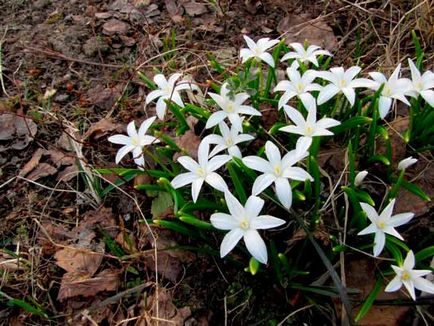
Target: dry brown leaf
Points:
(174, 10)
(68, 173)
(167, 310)
(33, 163)
(194, 8)
(75, 284)
(19, 129)
(100, 129)
(298, 28)
(188, 142)
(78, 260)
(42, 170)
(360, 274)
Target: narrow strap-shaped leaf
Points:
(236, 180)
(369, 300)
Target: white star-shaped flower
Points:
(344, 81)
(394, 88)
(305, 55)
(243, 222)
(411, 278)
(229, 140)
(231, 108)
(279, 170)
(308, 127)
(134, 142)
(297, 85)
(383, 223)
(201, 171)
(258, 50)
(168, 90)
(422, 84)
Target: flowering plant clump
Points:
(252, 164)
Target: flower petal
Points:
(262, 182)
(161, 107)
(284, 192)
(183, 179)
(217, 161)
(384, 105)
(268, 58)
(258, 164)
(234, 206)
(273, 153)
(391, 230)
(216, 181)
(263, 222)
(387, 211)
(196, 185)
(223, 221)
(379, 241)
(153, 95)
(188, 163)
(145, 126)
(394, 284)
(160, 80)
(122, 152)
(230, 241)
(424, 285)
(294, 115)
(350, 94)
(120, 139)
(410, 288)
(370, 211)
(296, 173)
(256, 246)
(371, 228)
(327, 93)
(400, 219)
(253, 206)
(409, 261)
(215, 119)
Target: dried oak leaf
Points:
(189, 143)
(42, 170)
(75, 284)
(166, 309)
(194, 8)
(19, 129)
(78, 260)
(174, 10)
(100, 129)
(298, 28)
(115, 26)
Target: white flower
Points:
(305, 55)
(244, 222)
(168, 90)
(231, 108)
(407, 162)
(279, 170)
(342, 81)
(394, 88)
(411, 278)
(297, 85)
(201, 171)
(358, 180)
(134, 142)
(258, 50)
(308, 127)
(385, 223)
(228, 140)
(422, 84)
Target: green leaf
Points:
(351, 123)
(149, 187)
(161, 204)
(369, 300)
(254, 266)
(175, 226)
(236, 179)
(151, 85)
(193, 220)
(394, 250)
(182, 123)
(28, 307)
(379, 158)
(125, 177)
(424, 254)
(414, 189)
(364, 197)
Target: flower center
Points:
(201, 172)
(168, 90)
(244, 224)
(230, 108)
(229, 142)
(405, 276)
(387, 91)
(308, 130)
(277, 170)
(257, 51)
(343, 83)
(300, 87)
(135, 141)
(418, 85)
(381, 225)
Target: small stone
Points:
(114, 26)
(103, 15)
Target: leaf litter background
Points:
(88, 52)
